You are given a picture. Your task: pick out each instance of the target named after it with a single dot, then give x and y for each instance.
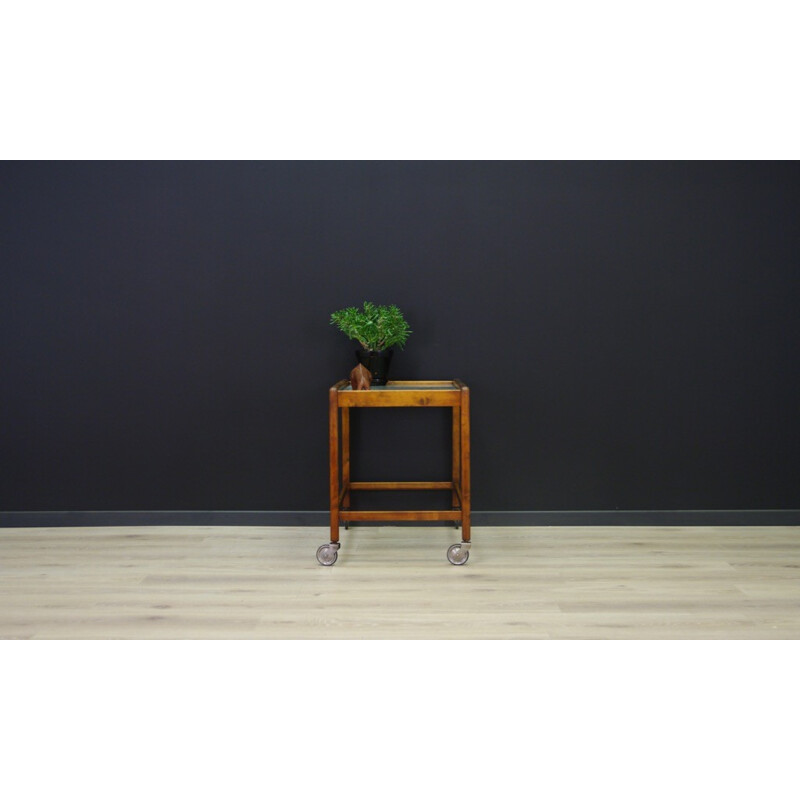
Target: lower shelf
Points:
(379, 516)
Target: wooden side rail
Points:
(389, 485)
(411, 516)
(419, 398)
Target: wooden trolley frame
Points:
(419, 394)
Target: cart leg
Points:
(456, 456)
(346, 459)
(328, 553)
(458, 554)
(333, 454)
(465, 463)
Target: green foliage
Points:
(374, 327)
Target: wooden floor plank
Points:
(395, 583)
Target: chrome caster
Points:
(457, 554)
(328, 553)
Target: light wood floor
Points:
(395, 583)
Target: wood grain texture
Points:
(456, 448)
(345, 501)
(333, 460)
(390, 485)
(395, 583)
(466, 465)
(396, 516)
(398, 394)
(423, 398)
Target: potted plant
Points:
(377, 329)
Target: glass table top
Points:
(394, 386)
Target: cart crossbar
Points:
(388, 485)
(411, 516)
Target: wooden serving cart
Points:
(419, 394)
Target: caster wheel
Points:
(327, 555)
(456, 555)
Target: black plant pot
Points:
(377, 362)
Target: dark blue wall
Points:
(629, 331)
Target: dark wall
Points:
(629, 331)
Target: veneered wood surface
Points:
(342, 397)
